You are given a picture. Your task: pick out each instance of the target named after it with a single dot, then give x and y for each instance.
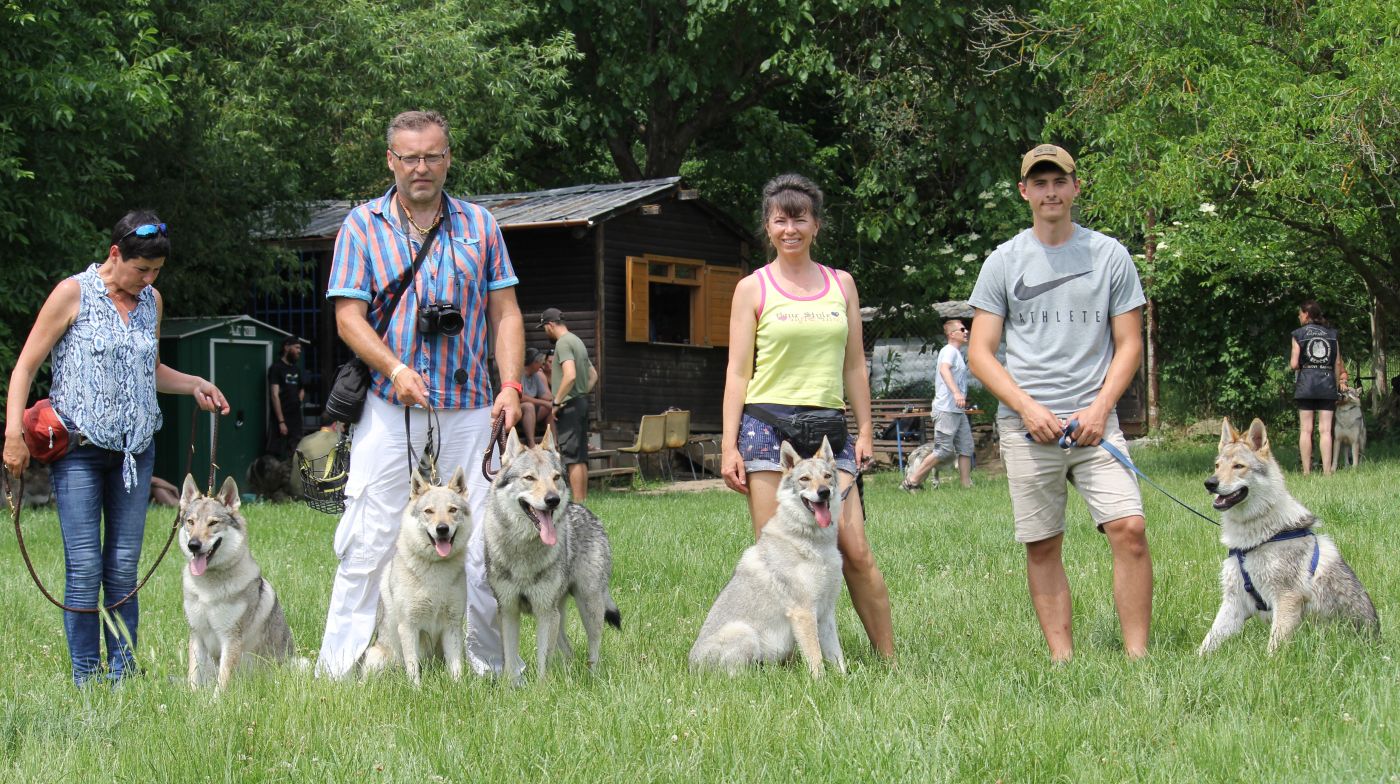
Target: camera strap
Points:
(383, 329)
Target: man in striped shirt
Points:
(432, 360)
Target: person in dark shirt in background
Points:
(285, 391)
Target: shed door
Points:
(240, 372)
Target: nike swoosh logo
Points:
(1024, 292)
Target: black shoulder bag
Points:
(346, 400)
(806, 429)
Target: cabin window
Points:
(678, 301)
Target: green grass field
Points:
(973, 697)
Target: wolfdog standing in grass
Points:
(1279, 568)
(540, 549)
(784, 589)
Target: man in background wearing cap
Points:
(536, 404)
(1069, 304)
(574, 377)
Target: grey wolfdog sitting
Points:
(423, 593)
(540, 549)
(233, 612)
(784, 589)
(1278, 565)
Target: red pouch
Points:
(45, 434)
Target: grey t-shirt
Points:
(1056, 304)
(534, 385)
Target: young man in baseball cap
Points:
(1068, 302)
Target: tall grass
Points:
(973, 697)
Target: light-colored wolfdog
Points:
(784, 589)
(911, 464)
(423, 593)
(1278, 566)
(233, 612)
(540, 549)
(1348, 428)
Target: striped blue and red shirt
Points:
(468, 260)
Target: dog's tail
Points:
(613, 615)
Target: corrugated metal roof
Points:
(951, 309)
(575, 205)
(184, 327)
(578, 205)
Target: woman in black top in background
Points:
(1319, 376)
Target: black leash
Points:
(14, 494)
(427, 462)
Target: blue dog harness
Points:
(1282, 536)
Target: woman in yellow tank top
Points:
(795, 344)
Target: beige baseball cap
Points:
(1047, 153)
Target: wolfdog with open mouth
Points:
(1279, 568)
(783, 592)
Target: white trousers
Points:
(375, 496)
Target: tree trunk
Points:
(1380, 387)
(1154, 376)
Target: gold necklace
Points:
(409, 214)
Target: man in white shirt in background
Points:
(952, 433)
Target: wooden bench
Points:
(607, 472)
(908, 412)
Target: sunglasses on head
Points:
(146, 230)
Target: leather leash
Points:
(496, 444)
(14, 495)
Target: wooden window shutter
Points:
(638, 301)
(720, 283)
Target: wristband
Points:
(519, 391)
(393, 374)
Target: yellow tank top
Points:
(800, 346)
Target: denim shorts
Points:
(762, 449)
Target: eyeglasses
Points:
(412, 161)
(145, 230)
(964, 329)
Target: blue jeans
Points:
(103, 525)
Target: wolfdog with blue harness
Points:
(1279, 567)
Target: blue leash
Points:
(1067, 441)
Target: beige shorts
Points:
(1038, 474)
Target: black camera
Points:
(440, 318)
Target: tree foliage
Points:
(86, 81)
(229, 118)
(1280, 117)
(285, 101)
(882, 103)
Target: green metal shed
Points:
(233, 352)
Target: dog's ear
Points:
(513, 448)
(789, 457)
(547, 443)
(418, 485)
(1257, 439)
(228, 495)
(458, 482)
(1227, 433)
(825, 452)
(189, 492)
